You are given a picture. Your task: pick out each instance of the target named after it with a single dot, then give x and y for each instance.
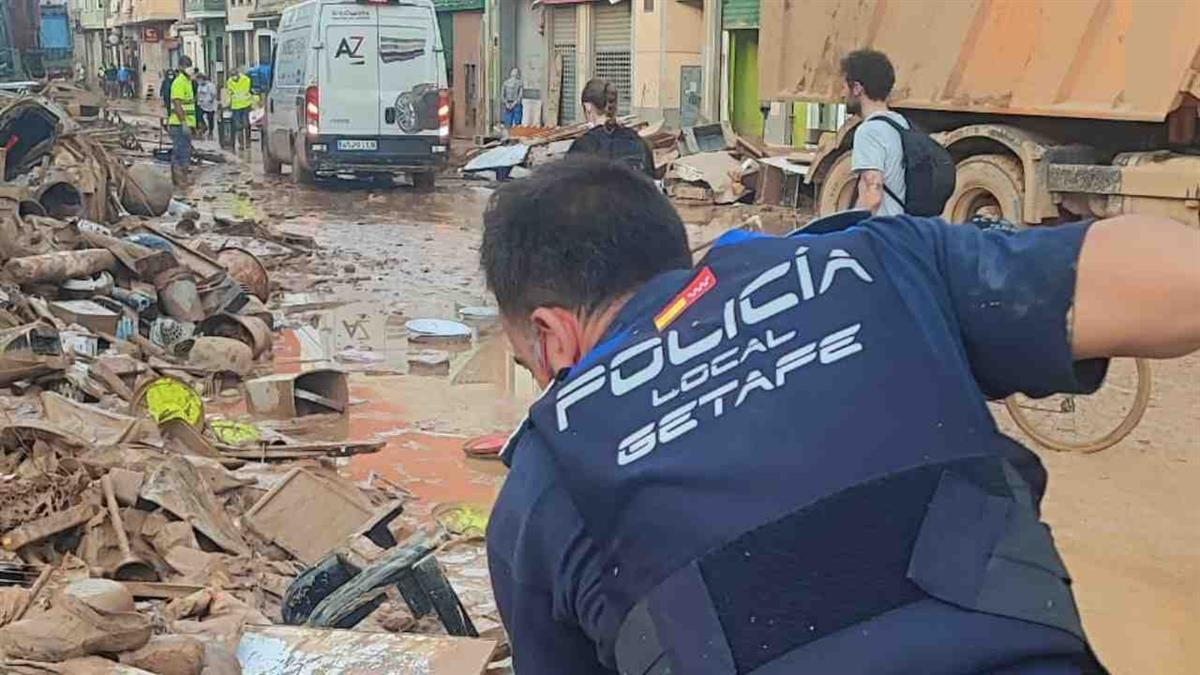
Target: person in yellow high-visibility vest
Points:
(241, 100)
(181, 122)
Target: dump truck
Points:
(1052, 109)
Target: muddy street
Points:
(260, 425)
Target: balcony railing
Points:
(204, 7)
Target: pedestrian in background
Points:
(240, 102)
(878, 155)
(124, 90)
(181, 122)
(608, 138)
(512, 92)
(110, 82)
(206, 100)
(164, 89)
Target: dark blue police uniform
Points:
(782, 462)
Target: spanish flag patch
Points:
(704, 282)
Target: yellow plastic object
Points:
(462, 519)
(234, 433)
(169, 399)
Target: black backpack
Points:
(928, 171)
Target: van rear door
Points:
(349, 83)
(410, 73)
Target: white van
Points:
(358, 87)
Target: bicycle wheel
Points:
(1075, 423)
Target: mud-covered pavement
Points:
(1126, 519)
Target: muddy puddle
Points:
(425, 415)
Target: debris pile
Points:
(701, 165)
(102, 509)
(165, 498)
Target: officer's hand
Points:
(1137, 290)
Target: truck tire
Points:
(837, 190)
(424, 180)
(271, 166)
(300, 174)
(991, 185)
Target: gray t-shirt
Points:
(877, 146)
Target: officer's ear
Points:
(559, 338)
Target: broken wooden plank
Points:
(301, 450)
(49, 526)
(160, 590)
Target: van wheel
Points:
(300, 174)
(837, 190)
(424, 180)
(989, 186)
(271, 166)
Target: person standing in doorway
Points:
(512, 92)
(878, 155)
(608, 138)
(240, 102)
(181, 122)
(206, 100)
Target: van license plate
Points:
(358, 145)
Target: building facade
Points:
(143, 29)
(651, 50)
(203, 38)
(241, 45)
(668, 69)
(89, 23)
(460, 23)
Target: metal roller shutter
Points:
(612, 27)
(564, 32)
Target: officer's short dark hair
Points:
(578, 234)
(872, 70)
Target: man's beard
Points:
(854, 105)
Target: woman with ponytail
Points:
(608, 138)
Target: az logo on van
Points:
(350, 46)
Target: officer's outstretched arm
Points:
(1137, 292)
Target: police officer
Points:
(780, 460)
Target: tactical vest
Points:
(769, 495)
(239, 92)
(184, 91)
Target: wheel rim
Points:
(988, 185)
(406, 113)
(1032, 416)
(976, 201)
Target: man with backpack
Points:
(900, 170)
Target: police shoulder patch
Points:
(702, 283)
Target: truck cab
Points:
(358, 87)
